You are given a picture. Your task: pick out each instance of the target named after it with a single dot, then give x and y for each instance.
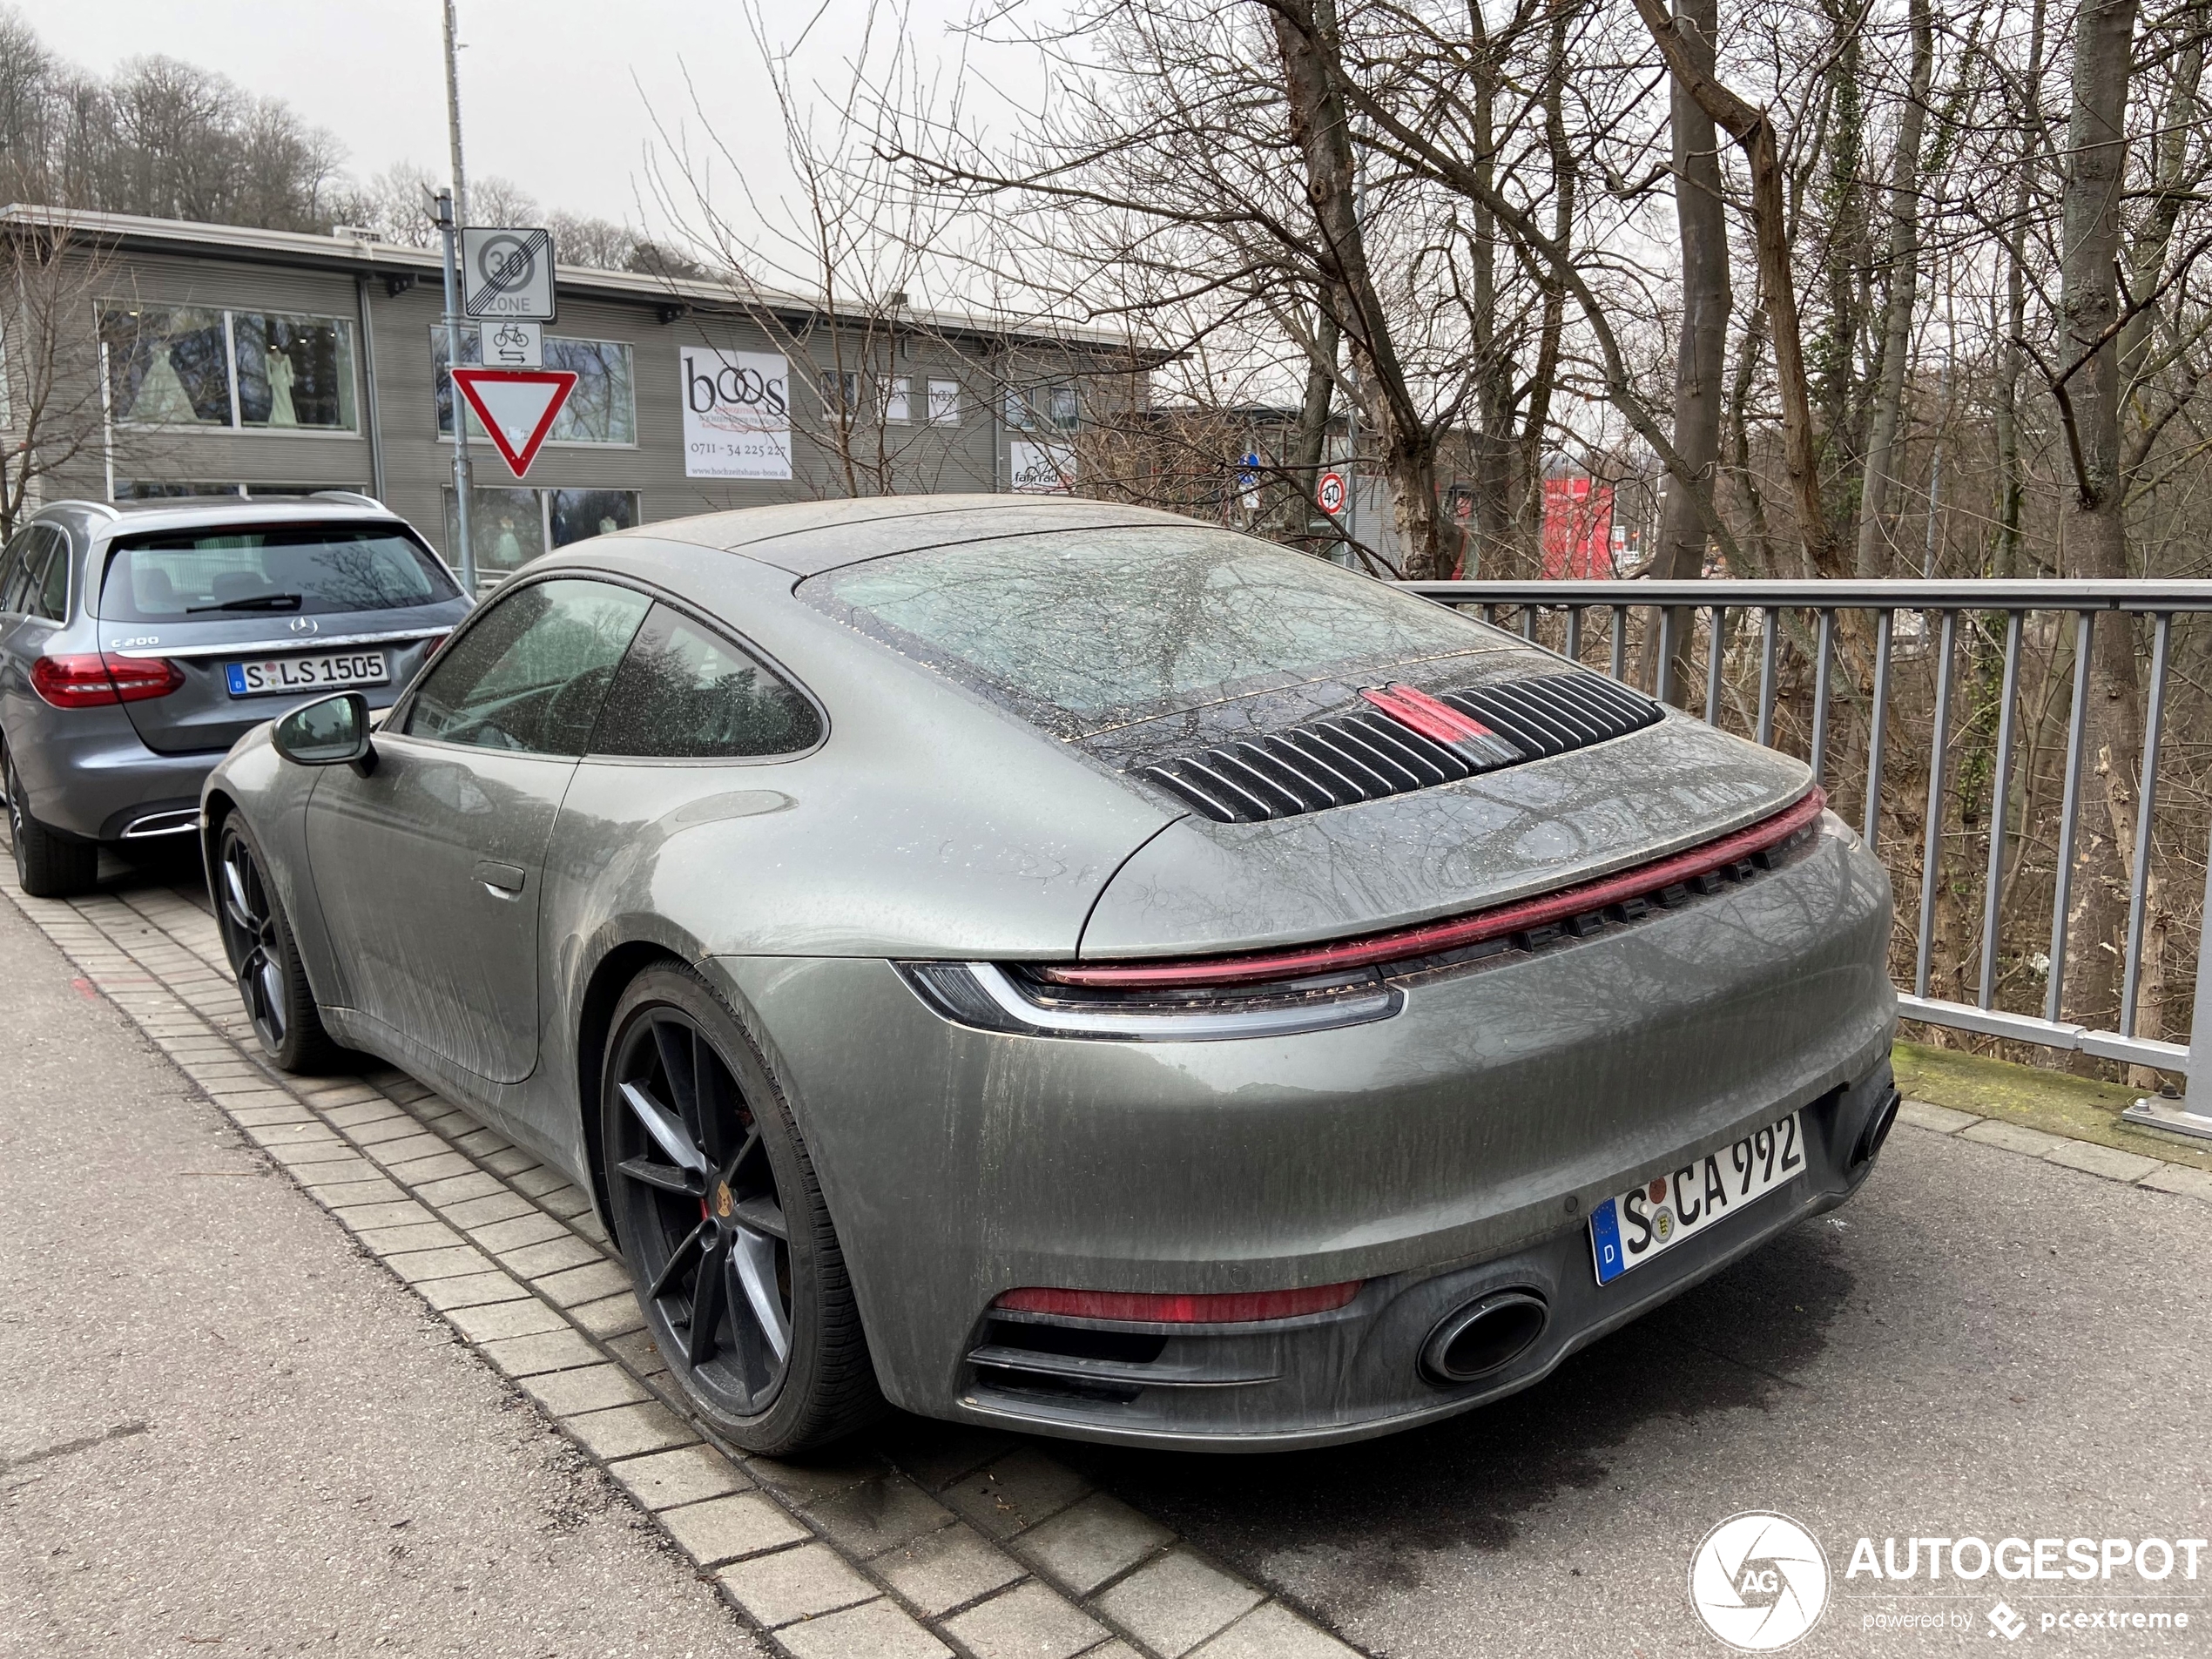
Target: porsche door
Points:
(429, 866)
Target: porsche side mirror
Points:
(331, 732)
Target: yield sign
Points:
(516, 406)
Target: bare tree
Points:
(51, 416)
(580, 239)
(395, 204)
(1904, 280)
(833, 277)
(1753, 130)
(1308, 38)
(1702, 217)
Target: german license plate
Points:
(332, 672)
(1628, 1231)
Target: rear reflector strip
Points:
(1235, 1307)
(1431, 938)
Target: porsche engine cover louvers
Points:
(1406, 740)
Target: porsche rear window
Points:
(1097, 627)
(289, 569)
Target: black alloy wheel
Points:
(736, 1266)
(264, 958)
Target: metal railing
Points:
(1751, 630)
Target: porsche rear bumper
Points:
(1452, 1148)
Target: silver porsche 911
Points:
(1065, 966)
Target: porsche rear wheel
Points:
(265, 960)
(721, 1220)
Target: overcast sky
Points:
(557, 95)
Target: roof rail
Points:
(351, 498)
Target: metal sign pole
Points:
(453, 114)
(450, 232)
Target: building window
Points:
(898, 400)
(572, 515)
(602, 409)
(167, 366)
(186, 366)
(1043, 408)
(167, 488)
(163, 489)
(510, 527)
(293, 371)
(840, 389)
(944, 402)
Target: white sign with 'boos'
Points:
(737, 412)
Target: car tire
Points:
(705, 1167)
(264, 957)
(49, 866)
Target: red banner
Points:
(1578, 530)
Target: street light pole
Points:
(451, 233)
(452, 115)
(452, 213)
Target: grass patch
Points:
(2055, 1102)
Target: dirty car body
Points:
(1217, 991)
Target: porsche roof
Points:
(808, 538)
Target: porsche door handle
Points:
(502, 880)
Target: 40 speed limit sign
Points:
(1330, 493)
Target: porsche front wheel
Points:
(721, 1220)
(265, 959)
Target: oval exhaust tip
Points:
(1486, 1335)
(1878, 1130)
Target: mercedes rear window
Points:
(301, 569)
(1090, 629)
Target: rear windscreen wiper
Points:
(252, 601)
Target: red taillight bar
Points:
(1431, 937)
(1234, 1307)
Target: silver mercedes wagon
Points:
(139, 641)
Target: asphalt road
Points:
(224, 1431)
(216, 1420)
(1978, 1345)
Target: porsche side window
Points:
(684, 692)
(532, 674)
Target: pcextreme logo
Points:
(1759, 1582)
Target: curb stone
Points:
(867, 1558)
(2109, 1164)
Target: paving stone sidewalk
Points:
(932, 1539)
